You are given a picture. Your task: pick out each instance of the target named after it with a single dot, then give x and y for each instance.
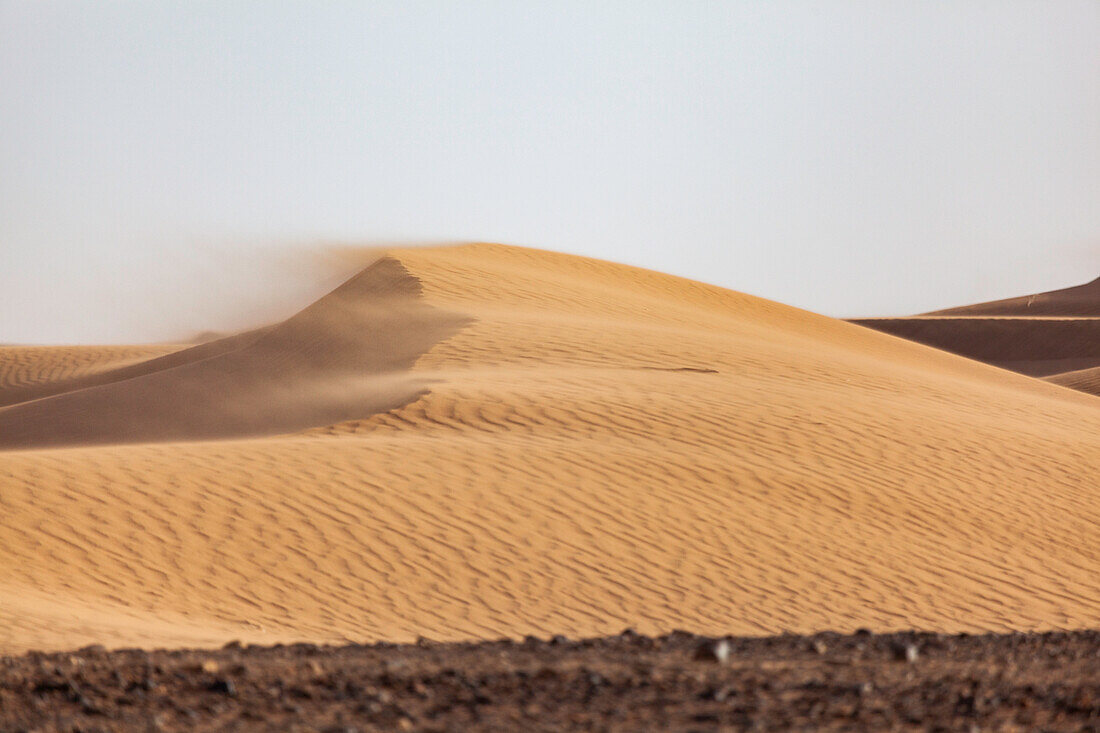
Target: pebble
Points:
(223, 686)
(714, 651)
(906, 653)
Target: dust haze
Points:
(853, 159)
(169, 290)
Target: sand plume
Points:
(599, 447)
(109, 370)
(26, 369)
(344, 357)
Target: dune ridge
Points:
(573, 446)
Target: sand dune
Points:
(1052, 334)
(1081, 300)
(23, 368)
(106, 368)
(499, 441)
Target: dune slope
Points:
(520, 442)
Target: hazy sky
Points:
(853, 158)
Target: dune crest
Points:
(600, 447)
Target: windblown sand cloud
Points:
(476, 441)
(346, 356)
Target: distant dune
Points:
(24, 368)
(1038, 346)
(1082, 300)
(477, 441)
(1042, 335)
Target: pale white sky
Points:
(853, 158)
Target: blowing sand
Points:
(482, 441)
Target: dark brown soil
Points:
(626, 682)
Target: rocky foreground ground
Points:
(627, 682)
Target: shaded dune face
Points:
(1036, 346)
(346, 356)
(1054, 334)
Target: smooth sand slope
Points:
(499, 441)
